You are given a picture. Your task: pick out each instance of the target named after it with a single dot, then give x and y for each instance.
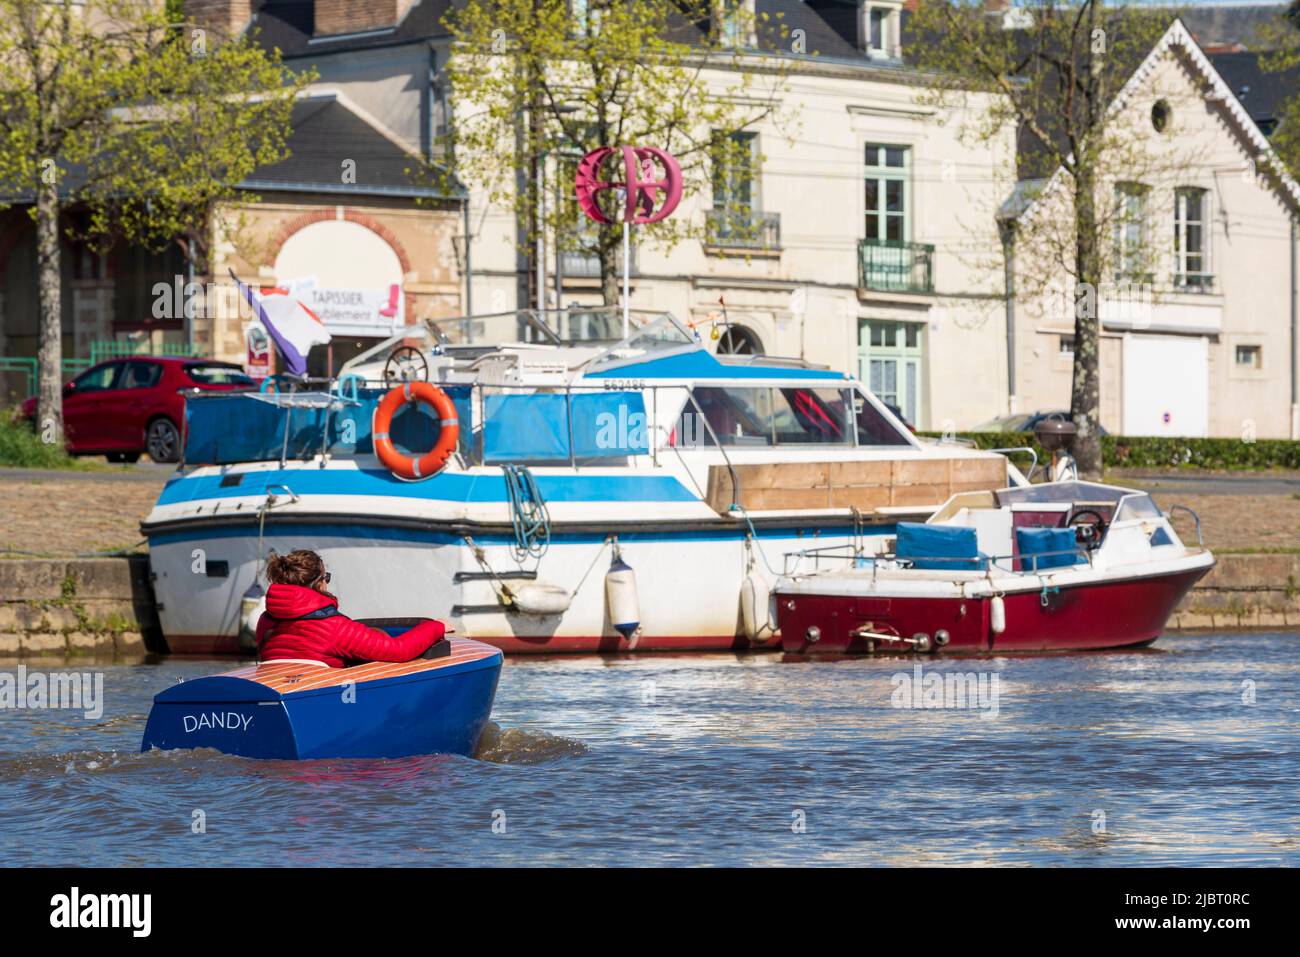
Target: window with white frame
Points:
(578, 9)
(877, 30)
(1249, 356)
(890, 358)
(1130, 232)
(1191, 239)
(886, 193)
(880, 29)
(735, 19)
(733, 219)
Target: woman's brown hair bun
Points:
(299, 567)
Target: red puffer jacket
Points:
(282, 632)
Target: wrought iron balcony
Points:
(742, 229)
(888, 265)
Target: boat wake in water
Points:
(524, 745)
(497, 745)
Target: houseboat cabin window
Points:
(788, 415)
(736, 416)
(873, 428)
(811, 416)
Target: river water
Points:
(1185, 753)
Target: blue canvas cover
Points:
(1042, 541)
(535, 426)
(242, 427)
(919, 542)
(238, 427)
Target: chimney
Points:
(226, 18)
(334, 17)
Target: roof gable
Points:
(1252, 138)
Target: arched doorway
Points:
(351, 276)
(739, 341)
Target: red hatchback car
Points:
(124, 407)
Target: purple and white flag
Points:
(291, 325)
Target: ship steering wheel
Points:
(406, 364)
(1090, 532)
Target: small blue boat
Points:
(305, 709)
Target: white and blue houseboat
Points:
(588, 492)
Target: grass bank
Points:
(21, 447)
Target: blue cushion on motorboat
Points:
(922, 544)
(1042, 542)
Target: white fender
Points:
(540, 598)
(620, 592)
(755, 607)
(251, 607)
(997, 615)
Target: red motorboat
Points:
(1061, 566)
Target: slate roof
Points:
(1230, 24)
(288, 25)
(1261, 93)
(829, 27)
(327, 131)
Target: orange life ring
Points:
(408, 466)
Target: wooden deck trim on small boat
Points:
(294, 677)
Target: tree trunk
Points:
(1085, 391)
(49, 404)
(611, 264)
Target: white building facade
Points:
(1199, 337)
(879, 248)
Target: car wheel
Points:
(162, 441)
(130, 458)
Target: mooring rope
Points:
(528, 514)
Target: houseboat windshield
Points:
(555, 327)
(492, 330)
(660, 332)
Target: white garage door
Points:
(1166, 385)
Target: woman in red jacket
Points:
(302, 621)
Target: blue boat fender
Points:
(251, 606)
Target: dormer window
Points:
(881, 29)
(879, 22)
(734, 22)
